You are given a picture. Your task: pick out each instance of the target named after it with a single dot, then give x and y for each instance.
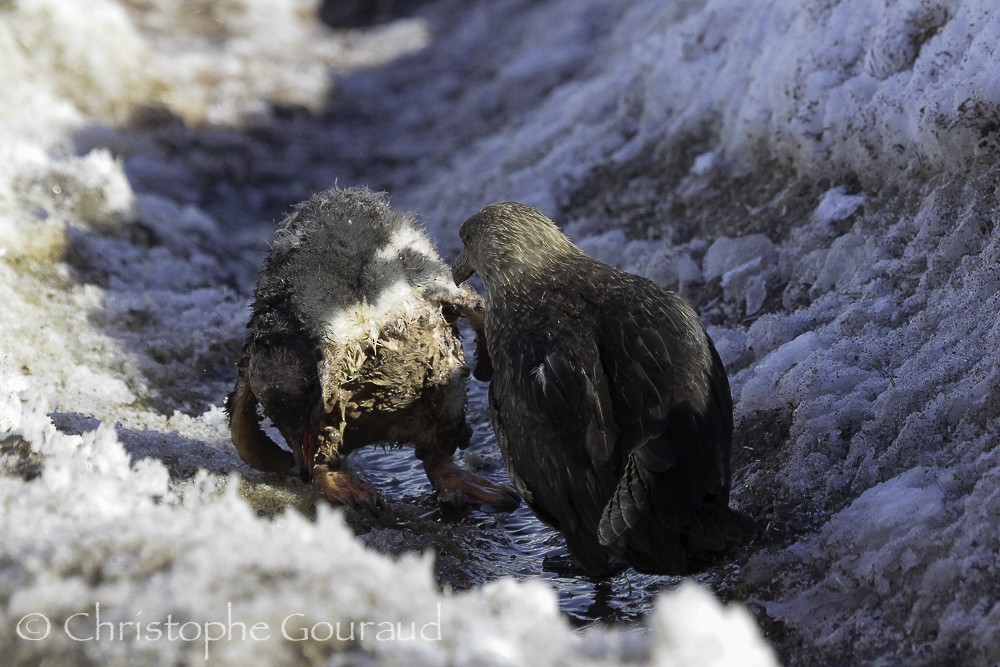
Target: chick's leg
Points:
(325, 458)
(458, 487)
(448, 430)
(343, 488)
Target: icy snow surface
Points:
(818, 178)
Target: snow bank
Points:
(851, 90)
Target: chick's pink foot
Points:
(342, 488)
(458, 487)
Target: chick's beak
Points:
(462, 270)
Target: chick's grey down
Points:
(610, 404)
(352, 340)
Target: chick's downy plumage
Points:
(352, 340)
(610, 403)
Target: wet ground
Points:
(473, 546)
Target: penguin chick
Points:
(352, 340)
